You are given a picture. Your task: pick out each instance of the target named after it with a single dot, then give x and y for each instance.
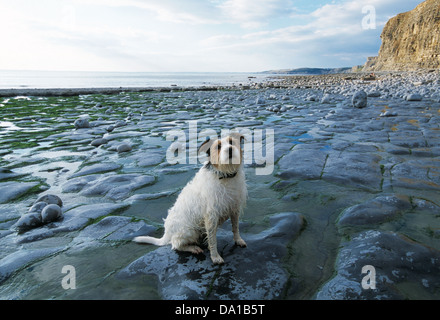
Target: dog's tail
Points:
(156, 241)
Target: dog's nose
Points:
(230, 152)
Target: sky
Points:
(191, 35)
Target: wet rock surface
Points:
(350, 187)
(398, 261)
(254, 272)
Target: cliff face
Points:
(410, 40)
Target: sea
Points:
(12, 79)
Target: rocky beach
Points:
(356, 183)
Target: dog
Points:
(216, 193)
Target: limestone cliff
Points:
(410, 40)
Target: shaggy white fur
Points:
(217, 192)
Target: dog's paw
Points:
(196, 250)
(241, 243)
(217, 259)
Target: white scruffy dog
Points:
(217, 192)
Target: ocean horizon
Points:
(24, 79)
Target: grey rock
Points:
(414, 97)
(8, 174)
(50, 199)
(359, 99)
(29, 221)
(50, 213)
(417, 174)
(96, 168)
(125, 147)
(116, 187)
(374, 94)
(151, 158)
(389, 113)
(98, 142)
(38, 206)
(81, 123)
(12, 190)
(19, 259)
(360, 170)
(377, 210)
(254, 272)
(326, 98)
(399, 263)
(93, 211)
(77, 184)
(260, 101)
(116, 228)
(120, 123)
(303, 162)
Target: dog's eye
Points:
(219, 146)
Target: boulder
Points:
(81, 123)
(50, 213)
(414, 97)
(29, 221)
(359, 99)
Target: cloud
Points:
(254, 13)
(191, 35)
(332, 35)
(164, 10)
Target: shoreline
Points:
(68, 92)
(285, 81)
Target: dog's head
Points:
(225, 154)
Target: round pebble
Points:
(38, 207)
(125, 147)
(50, 213)
(50, 199)
(28, 222)
(81, 123)
(359, 99)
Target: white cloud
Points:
(164, 10)
(255, 13)
(332, 35)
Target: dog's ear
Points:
(206, 147)
(238, 136)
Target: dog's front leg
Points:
(235, 230)
(211, 232)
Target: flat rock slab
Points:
(115, 187)
(399, 263)
(377, 210)
(96, 168)
(74, 219)
(13, 190)
(21, 258)
(360, 170)
(305, 161)
(8, 174)
(254, 272)
(417, 174)
(116, 228)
